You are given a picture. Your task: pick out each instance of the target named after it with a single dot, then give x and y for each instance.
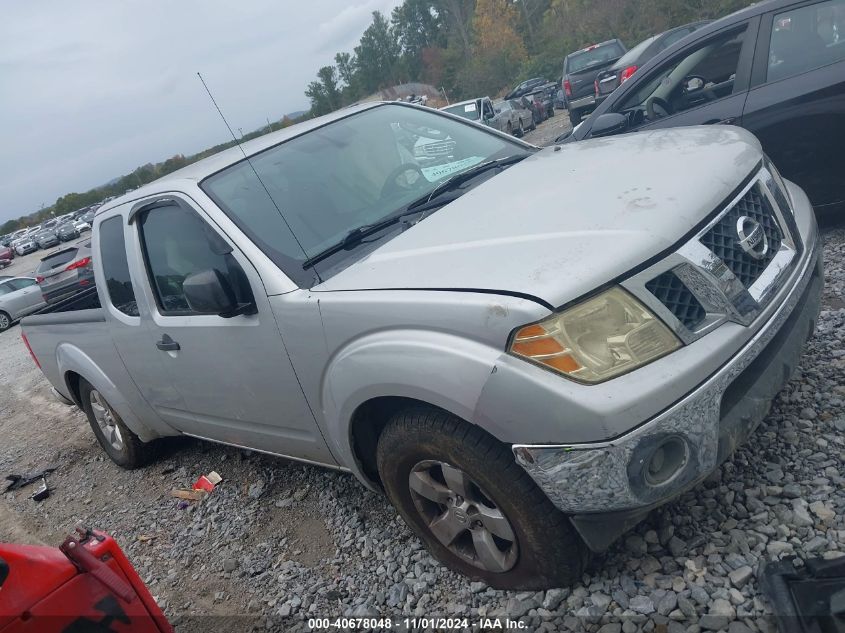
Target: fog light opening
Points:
(665, 462)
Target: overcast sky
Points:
(91, 89)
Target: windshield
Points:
(350, 173)
(467, 110)
(593, 56)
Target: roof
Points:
(203, 168)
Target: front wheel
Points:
(476, 510)
(123, 447)
(5, 321)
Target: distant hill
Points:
(297, 114)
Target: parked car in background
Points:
(45, 239)
(533, 103)
(5, 240)
(480, 110)
(579, 75)
(519, 118)
(24, 245)
(82, 226)
(526, 87)
(524, 380)
(7, 252)
(65, 272)
(546, 96)
(608, 80)
(19, 296)
(67, 232)
(775, 68)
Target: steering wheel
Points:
(404, 179)
(653, 104)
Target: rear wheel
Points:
(521, 131)
(476, 510)
(123, 447)
(574, 117)
(5, 321)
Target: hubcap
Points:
(4, 321)
(462, 517)
(106, 421)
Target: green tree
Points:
(377, 55)
(417, 25)
(324, 93)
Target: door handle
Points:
(726, 121)
(167, 344)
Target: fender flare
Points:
(70, 358)
(437, 368)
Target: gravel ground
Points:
(278, 542)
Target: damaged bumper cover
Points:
(609, 487)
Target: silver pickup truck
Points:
(525, 379)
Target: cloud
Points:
(94, 88)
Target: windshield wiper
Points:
(353, 237)
(425, 203)
(453, 182)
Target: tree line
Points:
(472, 48)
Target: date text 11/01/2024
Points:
(414, 624)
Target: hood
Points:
(561, 223)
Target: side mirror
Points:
(608, 124)
(693, 84)
(208, 292)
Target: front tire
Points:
(5, 321)
(476, 510)
(122, 446)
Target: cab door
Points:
(233, 373)
(796, 106)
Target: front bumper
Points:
(604, 485)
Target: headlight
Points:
(778, 187)
(602, 337)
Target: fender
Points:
(441, 369)
(70, 358)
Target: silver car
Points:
(525, 354)
(519, 118)
(19, 296)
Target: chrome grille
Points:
(672, 293)
(722, 237)
(728, 271)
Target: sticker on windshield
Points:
(470, 107)
(447, 169)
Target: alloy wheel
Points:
(462, 516)
(104, 416)
(4, 322)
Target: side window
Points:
(20, 283)
(712, 68)
(178, 243)
(488, 109)
(806, 38)
(115, 266)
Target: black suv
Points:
(580, 70)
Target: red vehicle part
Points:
(87, 584)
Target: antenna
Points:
(240, 147)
